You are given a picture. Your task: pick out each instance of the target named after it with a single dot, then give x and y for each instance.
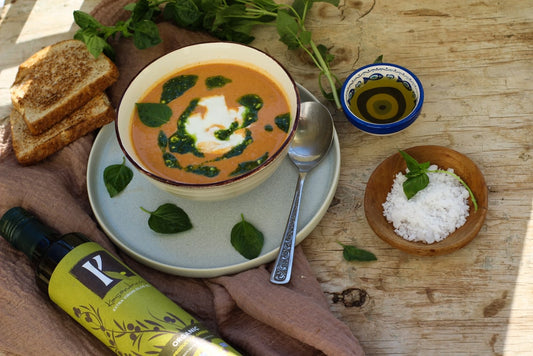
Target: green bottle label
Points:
(124, 311)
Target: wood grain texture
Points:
(474, 60)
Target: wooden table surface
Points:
(475, 60)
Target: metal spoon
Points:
(311, 142)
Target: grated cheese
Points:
(433, 213)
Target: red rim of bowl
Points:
(271, 159)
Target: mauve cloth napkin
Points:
(249, 312)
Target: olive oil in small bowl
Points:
(382, 98)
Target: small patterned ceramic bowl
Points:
(382, 98)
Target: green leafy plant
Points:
(417, 178)
(168, 219)
(246, 239)
(230, 20)
(117, 177)
(352, 253)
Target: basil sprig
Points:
(229, 20)
(417, 178)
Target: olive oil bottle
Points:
(111, 301)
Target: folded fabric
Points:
(249, 312)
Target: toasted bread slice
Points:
(57, 80)
(30, 149)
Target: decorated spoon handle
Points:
(281, 274)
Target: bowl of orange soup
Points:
(209, 121)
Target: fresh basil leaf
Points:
(145, 34)
(175, 87)
(97, 45)
(246, 239)
(305, 38)
(415, 184)
(301, 6)
(168, 219)
(84, 20)
(130, 6)
(229, 13)
(236, 31)
(412, 164)
(183, 13)
(287, 29)
(412, 174)
(145, 10)
(352, 253)
(117, 177)
(424, 166)
(153, 114)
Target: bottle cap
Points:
(26, 233)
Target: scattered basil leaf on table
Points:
(246, 239)
(352, 253)
(168, 219)
(117, 177)
(417, 178)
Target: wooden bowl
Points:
(380, 184)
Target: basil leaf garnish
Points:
(153, 114)
(415, 184)
(246, 239)
(117, 177)
(168, 219)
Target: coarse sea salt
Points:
(433, 213)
